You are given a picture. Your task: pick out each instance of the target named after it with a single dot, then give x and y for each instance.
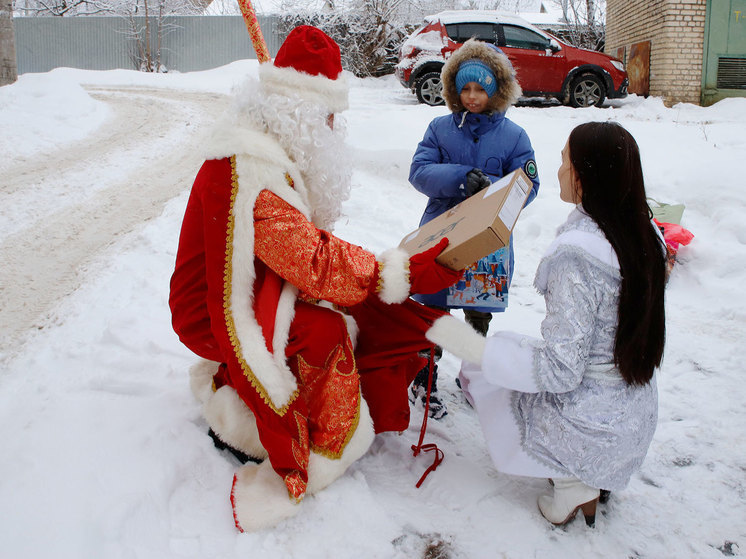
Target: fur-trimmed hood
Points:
(508, 90)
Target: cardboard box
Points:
(476, 227)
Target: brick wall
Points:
(675, 29)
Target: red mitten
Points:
(426, 275)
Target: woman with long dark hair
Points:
(579, 405)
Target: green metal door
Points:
(724, 64)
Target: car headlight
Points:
(618, 65)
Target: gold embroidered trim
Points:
(296, 486)
(379, 284)
(303, 366)
(300, 446)
(355, 421)
(337, 455)
(227, 310)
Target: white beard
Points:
(319, 152)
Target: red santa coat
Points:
(247, 250)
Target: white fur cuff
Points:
(457, 337)
(394, 276)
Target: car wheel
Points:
(429, 89)
(587, 91)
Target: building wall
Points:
(675, 29)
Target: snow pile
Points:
(73, 114)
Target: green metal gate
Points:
(724, 63)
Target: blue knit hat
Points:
(476, 71)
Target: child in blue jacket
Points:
(461, 154)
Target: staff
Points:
(252, 24)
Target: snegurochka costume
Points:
(257, 292)
(556, 406)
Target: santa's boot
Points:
(570, 496)
(260, 498)
(232, 423)
(323, 470)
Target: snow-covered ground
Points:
(104, 452)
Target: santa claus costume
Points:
(259, 283)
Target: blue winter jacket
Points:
(455, 144)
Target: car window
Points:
(522, 38)
(462, 32)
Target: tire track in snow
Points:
(80, 206)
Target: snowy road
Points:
(78, 205)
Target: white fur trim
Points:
(458, 338)
(352, 329)
(283, 320)
(256, 174)
(270, 370)
(260, 498)
(288, 82)
(508, 361)
(200, 379)
(227, 138)
(594, 244)
(233, 422)
(394, 276)
(322, 470)
(257, 151)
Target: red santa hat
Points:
(308, 65)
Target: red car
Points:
(545, 66)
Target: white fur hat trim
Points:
(288, 82)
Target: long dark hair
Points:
(607, 162)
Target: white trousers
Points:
(492, 404)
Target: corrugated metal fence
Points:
(189, 43)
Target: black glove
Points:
(476, 180)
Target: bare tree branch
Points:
(586, 22)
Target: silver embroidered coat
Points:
(574, 411)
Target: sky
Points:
(105, 453)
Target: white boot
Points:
(323, 470)
(226, 414)
(234, 423)
(570, 495)
(260, 498)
